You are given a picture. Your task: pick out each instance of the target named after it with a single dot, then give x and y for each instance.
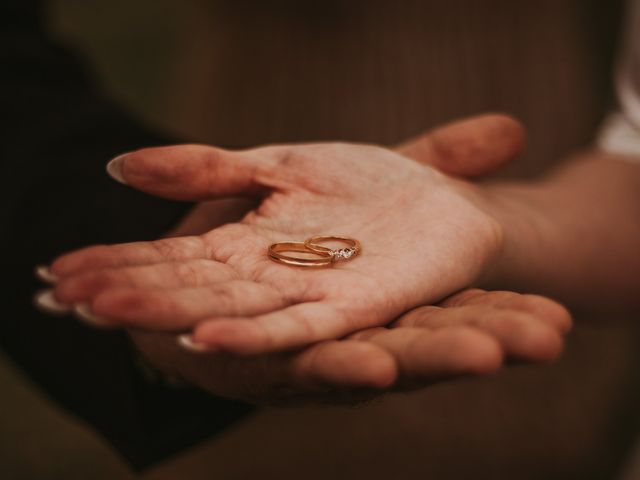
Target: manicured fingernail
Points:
(84, 313)
(186, 341)
(44, 273)
(114, 168)
(46, 301)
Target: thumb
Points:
(470, 147)
(189, 172)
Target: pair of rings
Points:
(320, 256)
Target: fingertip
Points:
(115, 168)
(479, 353)
(85, 313)
(525, 336)
(78, 288)
(59, 266)
(374, 366)
(382, 371)
(547, 310)
(476, 145)
(66, 291)
(546, 345)
(488, 361)
(44, 273)
(46, 301)
(152, 170)
(501, 139)
(503, 130)
(563, 319)
(512, 134)
(187, 342)
(508, 127)
(555, 314)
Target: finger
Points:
(128, 254)
(343, 364)
(543, 308)
(182, 308)
(471, 147)
(289, 328)
(521, 335)
(167, 275)
(436, 354)
(190, 172)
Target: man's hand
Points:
(471, 333)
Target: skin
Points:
(182, 282)
(574, 234)
(472, 333)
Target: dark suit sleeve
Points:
(57, 132)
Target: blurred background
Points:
(250, 72)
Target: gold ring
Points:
(275, 253)
(352, 250)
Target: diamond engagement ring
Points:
(339, 254)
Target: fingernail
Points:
(114, 168)
(46, 301)
(84, 313)
(44, 273)
(186, 341)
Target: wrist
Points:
(525, 227)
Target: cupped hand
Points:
(424, 235)
(471, 333)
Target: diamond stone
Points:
(344, 253)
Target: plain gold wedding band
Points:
(325, 257)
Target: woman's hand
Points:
(424, 236)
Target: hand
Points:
(471, 333)
(432, 216)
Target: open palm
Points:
(424, 236)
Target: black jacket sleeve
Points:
(56, 134)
